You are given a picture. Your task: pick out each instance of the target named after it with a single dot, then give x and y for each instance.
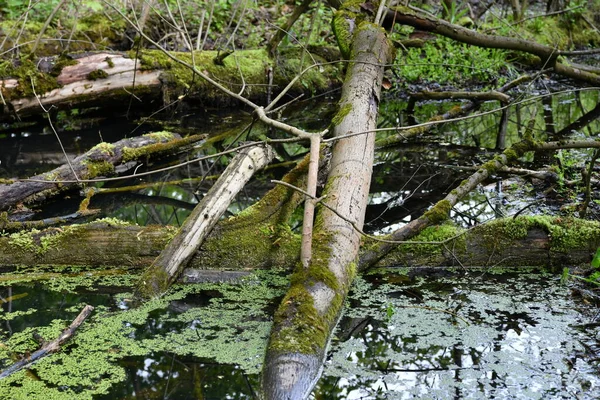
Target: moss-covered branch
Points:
(100, 161)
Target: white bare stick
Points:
(173, 259)
(309, 203)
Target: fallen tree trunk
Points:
(308, 313)
(101, 160)
(509, 242)
(90, 79)
(171, 261)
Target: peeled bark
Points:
(171, 261)
(310, 310)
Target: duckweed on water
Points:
(231, 327)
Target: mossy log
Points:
(101, 160)
(537, 241)
(310, 310)
(84, 80)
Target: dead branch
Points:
(548, 55)
(99, 161)
(171, 261)
(475, 96)
(51, 347)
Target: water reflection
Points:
(491, 336)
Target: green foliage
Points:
(596, 259)
(450, 63)
(454, 13)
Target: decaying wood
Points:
(50, 347)
(136, 246)
(78, 83)
(87, 165)
(171, 261)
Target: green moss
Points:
(104, 148)
(61, 62)
(38, 242)
(166, 144)
(341, 114)
(491, 167)
(569, 234)
(110, 62)
(511, 156)
(117, 222)
(439, 213)
(31, 80)
(438, 233)
(98, 168)
(565, 234)
(343, 31)
(97, 74)
(162, 136)
(154, 282)
(179, 79)
(302, 328)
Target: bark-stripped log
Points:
(171, 261)
(93, 77)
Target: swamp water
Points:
(414, 334)
(422, 334)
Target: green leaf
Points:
(596, 260)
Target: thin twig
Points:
(53, 129)
(356, 228)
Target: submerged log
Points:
(50, 347)
(171, 261)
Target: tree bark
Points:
(311, 308)
(133, 246)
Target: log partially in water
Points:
(169, 264)
(542, 242)
(50, 347)
(98, 161)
